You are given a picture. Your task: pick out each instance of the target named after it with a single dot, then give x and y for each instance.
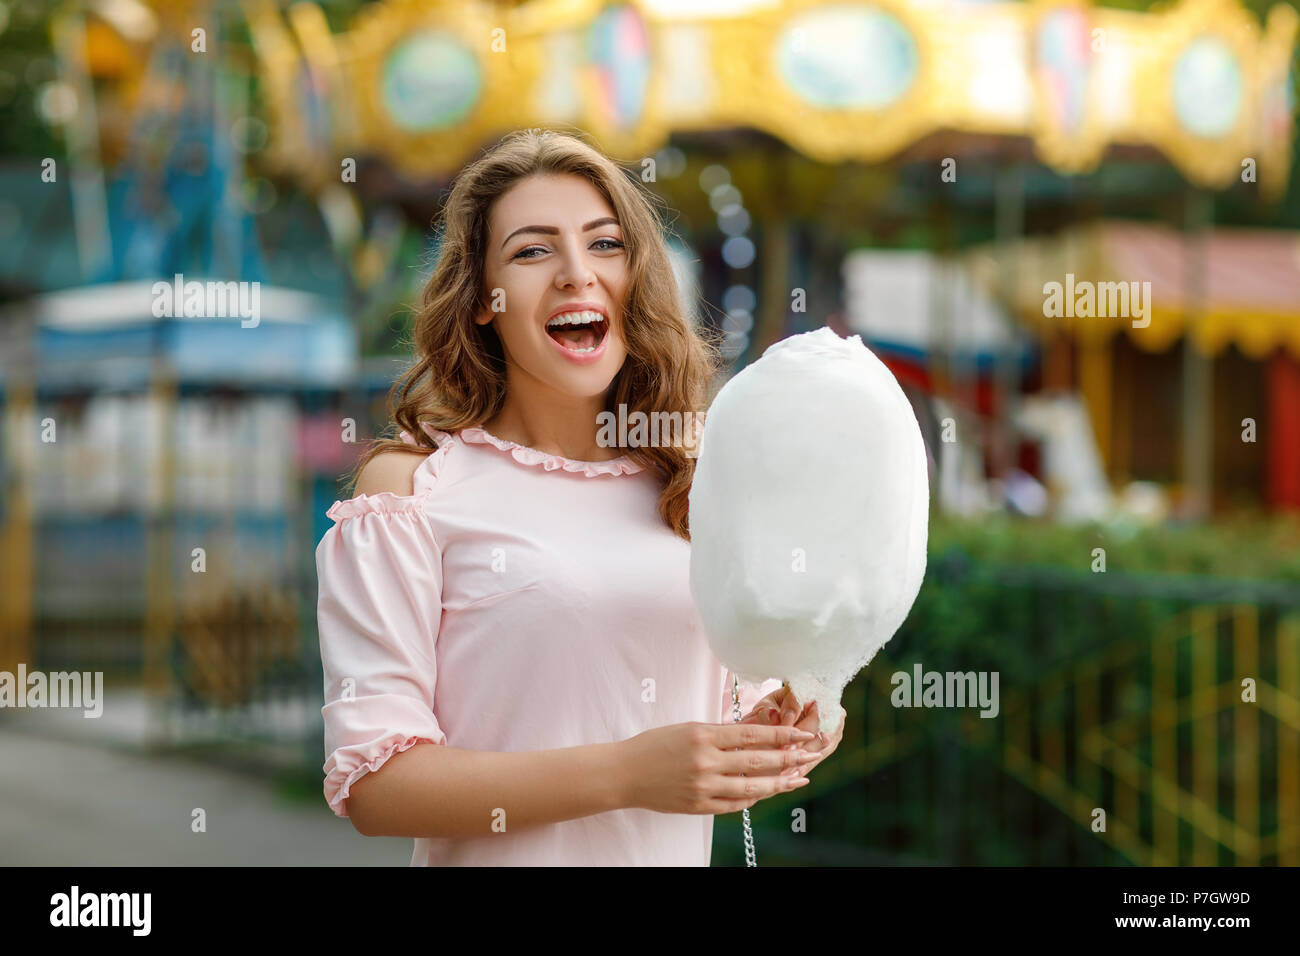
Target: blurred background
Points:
(1115, 525)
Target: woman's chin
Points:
(586, 374)
(590, 384)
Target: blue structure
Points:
(107, 336)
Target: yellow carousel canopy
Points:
(426, 83)
(1225, 286)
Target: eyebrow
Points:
(552, 231)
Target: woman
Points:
(515, 673)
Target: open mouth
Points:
(578, 331)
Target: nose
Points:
(574, 270)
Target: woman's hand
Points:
(696, 767)
(782, 708)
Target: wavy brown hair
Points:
(458, 377)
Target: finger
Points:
(810, 720)
(720, 807)
(815, 746)
(757, 763)
(819, 747)
(774, 699)
(763, 712)
(773, 737)
(790, 709)
(753, 788)
(803, 768)
(772, 702)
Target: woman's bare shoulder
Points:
(389, 471)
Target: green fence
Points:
(1143, 719)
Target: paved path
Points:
(87, 803)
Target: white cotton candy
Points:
(809, 514)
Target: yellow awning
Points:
(1157, 284)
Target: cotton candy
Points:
(809, 514)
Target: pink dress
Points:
(515, 601)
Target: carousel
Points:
(425, 85)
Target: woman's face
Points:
(555, 249)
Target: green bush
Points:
(1238, 548)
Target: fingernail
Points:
(803, 735)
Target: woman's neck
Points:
(567, 429)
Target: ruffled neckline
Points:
(531, 456)
(476, 435)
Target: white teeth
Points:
(589, 348)
(575, 318)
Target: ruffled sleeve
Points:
(379, 570)
(749, 696)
